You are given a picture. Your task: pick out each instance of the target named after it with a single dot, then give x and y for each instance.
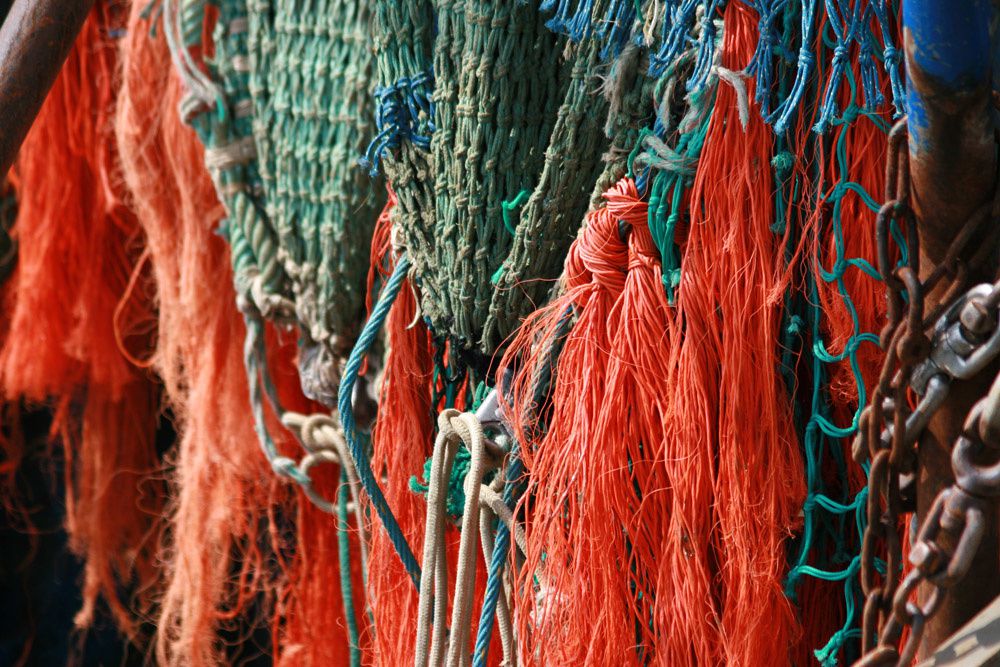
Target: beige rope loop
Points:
(433, 600)
(489, 499)
(309, 461)
(454, 429)
(321, 436)
(469, 429)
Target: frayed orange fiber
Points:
(738, 262)
(219, 563)
(401, 442)
(662, 491)
(78, 247)
(597, 484)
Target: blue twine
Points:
(678, 17)
(762, 63)
(403, 110)
(501, 548)
(873, 97)
(891, 57)
(618, 25)
(351, 435)
(782, 116)
(706, 48)
(844, 29)
(559, 23)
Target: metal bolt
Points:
(976, 319)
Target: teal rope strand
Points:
(354, 440)
(344, 558)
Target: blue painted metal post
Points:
(952, 152)
(953, 171)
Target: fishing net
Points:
(633, 236)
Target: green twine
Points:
(455, 495)
(824, 516)
(344, 561)
(507, 206)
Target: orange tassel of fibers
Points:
(219, 563)
(586, 587)
(735, 258)
(661, 495)
(79, 247)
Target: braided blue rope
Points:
(494, 583)
(678, 18)
(891, 57)
(706, 48)
(762, 63)
(354, 442)
(617, 26)
(866, 61)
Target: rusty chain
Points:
(924, 353)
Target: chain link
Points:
(924, 353)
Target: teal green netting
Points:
(282, 111)
(311, 77)
(834, 517)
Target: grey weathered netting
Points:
(499, 84)
(311, 69)
(601, 113)
(520, 126)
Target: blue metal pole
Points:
(952, 170)
(952, 152)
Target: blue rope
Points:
(891, 56)
(762, 63)
(618, 25)
(354, 441)
(782, 116)
(678, 17)
(866, 60)
(844, 28)
(494, 583)
(706, 48)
